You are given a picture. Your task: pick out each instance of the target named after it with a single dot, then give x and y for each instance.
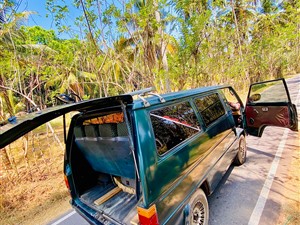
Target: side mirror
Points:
(254, 98)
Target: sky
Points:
(39, 16)
(39, 12)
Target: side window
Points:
(172, 125)
(210, 107)
(232, 101)
(268, 92)
(229, 95)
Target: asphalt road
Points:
(256, 192)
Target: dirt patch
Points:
(290, 213)
(49, 211)
(31, 179)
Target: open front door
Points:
(269, 104)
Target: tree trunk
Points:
(5, 161)
(25, 155)
(239, 40)
(162, 48)
(2, 117)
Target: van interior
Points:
(105, 178)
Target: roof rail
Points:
(146, 91)
(142, 91)
(161, 99)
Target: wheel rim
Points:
(198, 214)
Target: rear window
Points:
(109, 125)
(110, 118)
(210, 107)
(172, 125)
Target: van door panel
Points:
(268, 115)
(225, 152)
(269, 104)
(196, 171)
(169, 171)
(183, 179)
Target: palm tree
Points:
(149, 50)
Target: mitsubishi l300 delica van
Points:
(153, 159)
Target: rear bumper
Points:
(88, 215)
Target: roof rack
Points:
(146, 91)
(142, 91)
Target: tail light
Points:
(148, 216)
(67, 182)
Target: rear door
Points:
(16, 127)
(269, 104)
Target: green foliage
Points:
(130, 45)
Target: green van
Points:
(144, 158)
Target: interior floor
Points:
(117, 207)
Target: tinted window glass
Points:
(172, 125)
(210, 107)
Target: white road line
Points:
(63, 218)
(260, 204)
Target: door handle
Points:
(265, 109)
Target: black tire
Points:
(199, 211)
(241, 155)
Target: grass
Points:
(55, 207)
(290, 214)
(31, 181)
